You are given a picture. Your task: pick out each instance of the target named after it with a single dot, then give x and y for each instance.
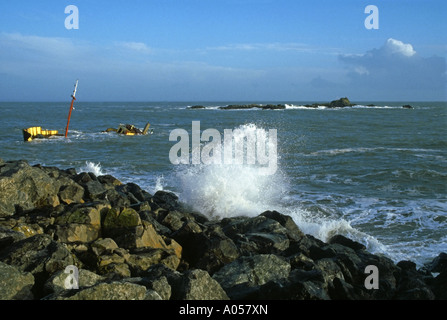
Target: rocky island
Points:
(254, 106)
(126, 243)
(340, 103)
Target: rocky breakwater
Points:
(128, 244)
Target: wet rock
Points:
(129, 244)
(166, 200)
(257, 235)
(207, 249)
(411, 284)
(342, 240)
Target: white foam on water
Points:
(225, 190)
(92, 167)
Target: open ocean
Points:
(375, 174)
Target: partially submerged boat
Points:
(37, 132)
(130, 130)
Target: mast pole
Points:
(71, 107)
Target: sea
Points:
(376, 174)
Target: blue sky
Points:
(232, 50)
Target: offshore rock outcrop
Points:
(129, 244)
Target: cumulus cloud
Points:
(397, 71)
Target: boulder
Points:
(207, 249)
(39, 255)
(142, 259)
(257, 235)
(80, 224)
(23, 187)
(166, 200)
(56, 283)
(198, 285)
(71, 193)
(340, 103)
(117, 290)
(411, 284)
(244, 275)
(15, 284)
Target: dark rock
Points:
(198, 285)
(411, 285)
(209, 249)
(166, 200)
(340, 103)
(9, 236)
(257, 235)
(39, 255)
(242, 276)
(293, 232)
(346, 242)
(109, 181)
(439, 264)
(407, 106)
(134, 193)
(197, 107)
(254, 106)
(438, 286)
(122, 238)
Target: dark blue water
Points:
(377, 175)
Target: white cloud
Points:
(398, 47)
(273, 46)
(138, 47)
(396, 71)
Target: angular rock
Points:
(72, 193)
(23, 187)
(134, 193)
(81, 224)
(257, 235)
(15, 284)
(8, 236)
(209, 249)
(104, 291)
(56, 283)
(166, 200)
(346, 242)
(247, 272)
(39, 255)
(293, 232)
(141, 260)
(439, 264)
(198, 285)
(300, 285)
